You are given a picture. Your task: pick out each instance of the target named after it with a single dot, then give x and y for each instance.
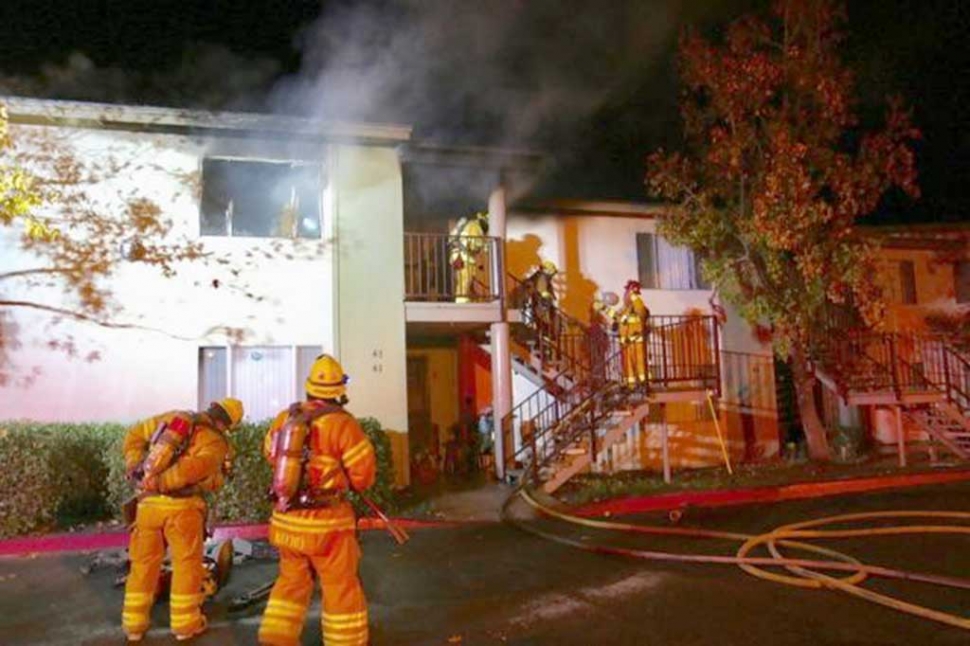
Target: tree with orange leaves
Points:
(775, 175)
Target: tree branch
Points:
(34, 272)
(80, 316)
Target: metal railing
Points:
(447, 268)
(559, 342)
(682, 353)
(549, 426)
(898, 362)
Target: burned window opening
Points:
(261, 199)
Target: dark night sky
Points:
(591, 80)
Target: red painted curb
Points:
(118, 539)
(664, 502)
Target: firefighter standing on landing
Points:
(313, 525)
(634, 323)
(175, 458)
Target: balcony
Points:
(452, 281)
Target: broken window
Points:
(260, 199)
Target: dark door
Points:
(420, 436)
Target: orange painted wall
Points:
(935, 287)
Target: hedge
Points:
(54, 476)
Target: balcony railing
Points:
(682, 355)
(901, 363)
(446, 268)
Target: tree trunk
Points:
(818, 444)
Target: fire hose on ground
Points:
(789, 536)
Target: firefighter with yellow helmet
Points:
(633, 322)
(174, 458)
(465, 246)
(542, 304)
(319, 452)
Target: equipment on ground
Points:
(218, 560)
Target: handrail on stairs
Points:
(682, 351)
(899, 362)
(557, 425)
(570, 348)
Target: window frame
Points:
(908, 288)
(650, 277)
(322, 174)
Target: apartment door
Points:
(420, 430)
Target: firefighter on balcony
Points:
(542, 306)
(174, 458)
(319, 452)
(633, 322)
(465, 246)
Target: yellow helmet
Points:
(233, 409)
(327, 379)
(549, 267)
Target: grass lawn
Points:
(588, 488)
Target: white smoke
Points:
(496, 72)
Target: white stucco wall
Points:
(370, 268)
(141, 372)
(598, 253)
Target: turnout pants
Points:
(634, 360)
(179, 523)
(334, 559)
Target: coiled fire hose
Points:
(785, 536)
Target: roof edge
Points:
(615, 208)
(143, 117)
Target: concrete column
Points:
(501, 391)
(665, 442)
(496, 228)
(501, 352)
(900, 436)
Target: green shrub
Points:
(244, 497)
(53, 475)
(382, 492)
(57, 475)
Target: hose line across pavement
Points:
(846, 572)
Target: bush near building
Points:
(56, 476)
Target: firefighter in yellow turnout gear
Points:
(315, 529)
(466, 244)
(633, 321)
(175, 458)
(542, 305)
